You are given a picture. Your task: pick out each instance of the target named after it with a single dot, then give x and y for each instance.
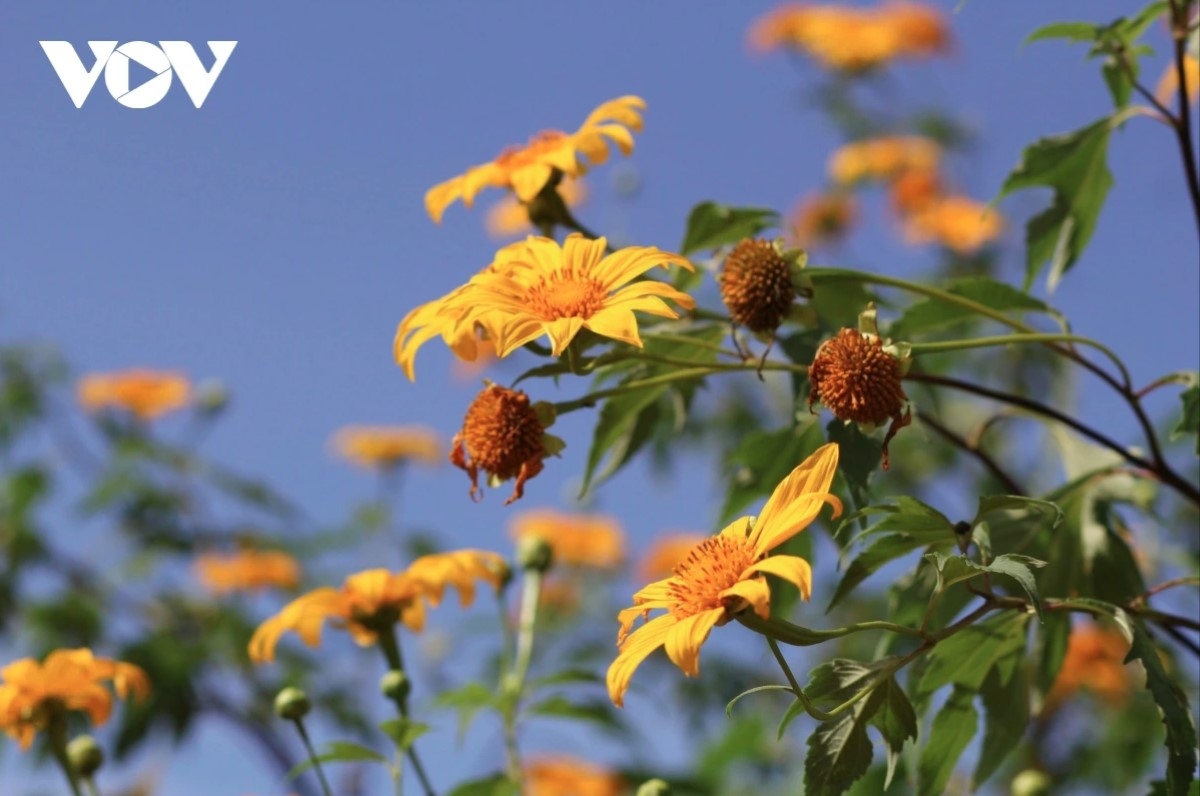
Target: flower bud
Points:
(1031, 782)
(534, 553)
(292, 704)
(84, 755)
(395, 685)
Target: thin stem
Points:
(391, 651)
(591, 399)
(312, 755)
(57, 736)
(1158, 467)
(691, 341)
(1183, 122)
(513, 684)
(797, 636)
(89, 785)
(983, 456)
(1190, 580)
(996, 340)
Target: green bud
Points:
(1031, 782)
(395, 685)
(84, 755)
(534, 553)
(654, 787)
(211, 397)
(292, 704)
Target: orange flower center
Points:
(565, 294)
(713, 566)
(517, 156)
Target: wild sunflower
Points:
(538, 287)
(384, 447)
(584, 540)
(247, 570)
(959, 223)
(34, 694)
(372, 601)
(145, 394)
(527, 169)
(724, 575)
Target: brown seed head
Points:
(502, 436)
(756, 286)
(857, 379)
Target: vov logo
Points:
(169, 57)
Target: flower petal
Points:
(636, 648)
(684, 640)
(797, 500)
(793, 569)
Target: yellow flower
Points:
(822, 218)
(441, 316)
(666, 553)
(1095, 662)
(561, 775)
(920, 29)
(526, 170)
(914, 190)
(1168, 84)
(372, 601)
(589, 540)
(383, 447)
(724, 575)
(247, 570)
(956, 222)
(882, 158)
(146, 394)
(510, 217)
(541, 288)
(33, 694)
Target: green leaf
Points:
(598, 712)
(493, 785)
(1053, 635)
(1173, 707)
(339, 752)
(933, 313)
(966, 657)
(953, 728)
(858, 459)
(839, 752)
(467, 700)
(403, 732)
(762, 460)
(653, 787)
(710, 225)
(1189, 419)
(1072, 31)
(1006, 711)
(1018, 504)
(895, 719)
(881, 550)
(1075, 166)
(1018, 567)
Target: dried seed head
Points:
(756, 286)
(502, 436)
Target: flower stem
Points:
(794, 635)
(312, 755)
(391, 651)
(56, 732)
(89, 785)
(996, 340)
(513, 682)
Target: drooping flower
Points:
(666, 553)
(526, 170)
(33, 694)
(756, 285)
(372, 601)
(385, 447)
(724, 575)
(145, 394)
(1095, 663)
(247, 570)
(510, 217)
(882, 158)
(858, 377)
(956, 222)
(586, 540)
(541, 288)
(560, 775)
(822, 218)
(504, 435)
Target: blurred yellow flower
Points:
(560, 775)
(1095, 662)
(956, 222)
(372, 601)
(882, 158)
(145, 394)
(852, 39)
(665, 554)
(587, 540)
(33, 694)
(822, 218)
(539, 287)
(526, 170)
(914, 190)
(724, 575)
(510, 217)
(384, 447)
(247, 570)
(1168, 84)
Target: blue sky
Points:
(273, 238)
